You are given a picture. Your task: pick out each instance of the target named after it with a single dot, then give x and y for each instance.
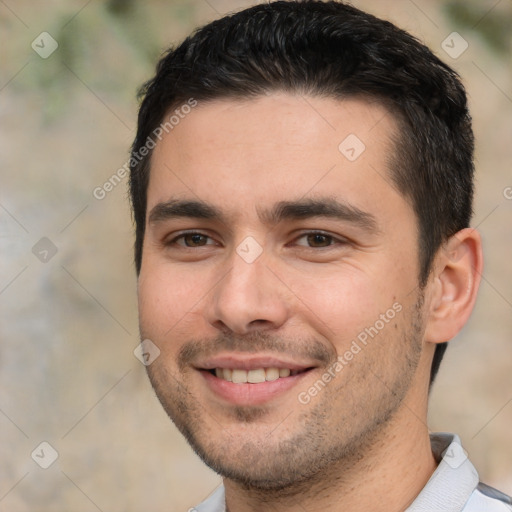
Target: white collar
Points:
(452, 483)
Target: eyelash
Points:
(332, 239)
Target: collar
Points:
(452, 483)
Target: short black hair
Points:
(328, 49)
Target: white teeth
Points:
(256, 376)
(253, 376)
(271, 374)
(239, 376)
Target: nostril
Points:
(258, 322)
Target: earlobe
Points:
(457, 268)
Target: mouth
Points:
(251, 381)
(256, 376)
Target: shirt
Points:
(453, 487)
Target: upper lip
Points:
(251, 362)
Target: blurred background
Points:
(68, 375)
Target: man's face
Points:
(279, 281)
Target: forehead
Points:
(243, 154)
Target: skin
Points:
(361, 442)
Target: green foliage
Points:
(490, 22)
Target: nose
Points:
(249, 297)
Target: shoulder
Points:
(486, 498)
(455, 484)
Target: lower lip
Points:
(251, 394)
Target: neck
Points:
(384, 476)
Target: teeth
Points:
(272, 374)
(239, 376)
(256, 376)
(253, 376)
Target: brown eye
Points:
(319, 240)
(191, 240)
(194, 240)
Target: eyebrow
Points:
(320, 207)
(284, 210)
(183, 208)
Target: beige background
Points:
(68, 327)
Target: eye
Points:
(316, 240)
(192, 240)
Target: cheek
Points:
(343, 302)
(167, 298)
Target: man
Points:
(301, 182)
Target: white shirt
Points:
(453, 487)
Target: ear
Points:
(457, 271)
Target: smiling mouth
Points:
(255, 376)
